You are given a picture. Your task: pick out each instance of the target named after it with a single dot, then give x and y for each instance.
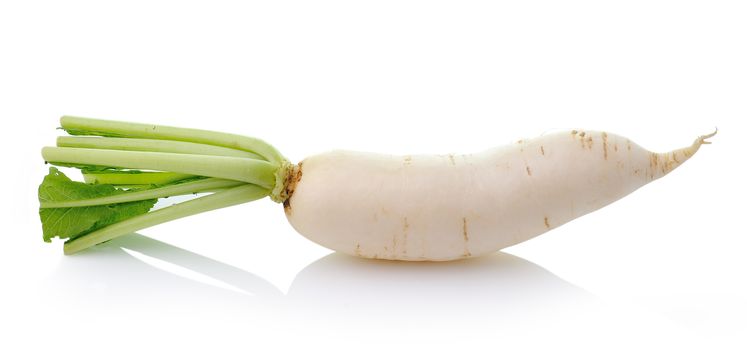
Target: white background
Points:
(661, 268)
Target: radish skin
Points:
(447, 207)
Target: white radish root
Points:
(446, 207)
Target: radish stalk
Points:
(125, 178)
(192, 187)
(86, 126)
(146, 145)
(254, 171)
(413, 207)
(221, 199)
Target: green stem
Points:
(197, 186)
(87, 126)
(222, 199)
(146, 145)
(144, 178)
(253, 171)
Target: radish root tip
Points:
(703, 140)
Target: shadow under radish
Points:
(138, 274)
(499, 285)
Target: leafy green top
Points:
(77, 221)
(129, 166)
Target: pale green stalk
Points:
(146, 145)
(197, 186)
(144, 178)
(222, 199)
(253, 171)
(87, 126)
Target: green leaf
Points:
(75, 222)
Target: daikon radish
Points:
(414, 207)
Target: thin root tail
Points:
(703, 140)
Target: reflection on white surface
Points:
(499, 284)
(136, 272)
(175, 269)
(141, 284)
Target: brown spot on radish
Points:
(520, 141)
(357, 250)
(653, 160)
(604, 144)
(451, 159)
(585, 141)
(291, 181)
(615, 147)
(465, 235)
(628, 142)
(574, 132)
(547, 222)
(529, 171)
(542, 150)
(668, 162)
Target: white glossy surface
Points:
(662, 268)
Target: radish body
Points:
(446, 207)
